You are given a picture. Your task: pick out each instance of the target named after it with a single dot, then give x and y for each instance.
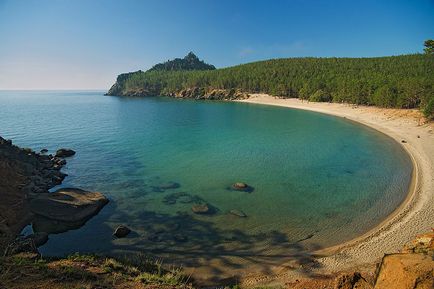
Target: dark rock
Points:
(39, 238)
(121, 231)
(200, 209)
(404, 141)
(63, 153)
(238, 213)
(347, 281)
(44, 151)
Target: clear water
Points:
(312, 174)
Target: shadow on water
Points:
(213, 255)
(195, 243)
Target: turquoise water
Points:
(314, 176)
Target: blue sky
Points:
(79, 44)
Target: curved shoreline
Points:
(413, 216)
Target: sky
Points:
(85, 44)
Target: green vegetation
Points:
(27, 270)
(429, 46)
(405, 81)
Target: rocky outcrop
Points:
(26, 177)
(413, 268)
(23, 175)
(68, 205)
(406, 271)
(210, 93)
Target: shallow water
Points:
(318, 180)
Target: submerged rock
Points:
(200, 209)
(169, 185)
(121, 231)
(238, 213)
(63, 153)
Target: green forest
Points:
(405, 81)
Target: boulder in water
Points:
(121, 231)
(63, 153)
(239, 186)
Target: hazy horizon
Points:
(84, 45)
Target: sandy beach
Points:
(414, 216)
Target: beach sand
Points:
(414, 216)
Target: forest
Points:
(405, 81)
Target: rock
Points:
(200, 209)
(406, 271)
(242, 187)
(403, 141)
(27, 150)
(350, 281)
(238, 213)
(63, 153)
(423, 243)
(39, 238)
(68, 205)
(44, 151)
(169, 185)
(121, 231)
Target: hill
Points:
(189, 62)
(405, 81)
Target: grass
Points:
(89, 271)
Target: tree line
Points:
(405, 81)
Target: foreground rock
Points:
(406, 271)
(121, 231)
(63, 153)
(68, 205)
(23, 175)
(412, 268)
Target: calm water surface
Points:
(314, 176)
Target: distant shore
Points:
(413, 216)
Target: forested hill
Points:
(189, 62)
(405, 81)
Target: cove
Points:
(317, 180)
